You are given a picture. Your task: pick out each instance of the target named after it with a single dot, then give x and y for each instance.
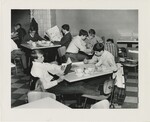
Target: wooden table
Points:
(45, 103)
(30, 47)
(72, 77)
(50, 52)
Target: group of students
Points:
(86, 47)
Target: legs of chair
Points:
(85, 101)
(136, 71)
(15, 67)
(126, 70)
(15, 62)
(60, 98)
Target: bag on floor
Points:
(119, 95)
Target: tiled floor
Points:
(20, 87)
(131, 100)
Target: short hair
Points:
(92, 31)
(98, 47)
(34, 54)
(66, 27)
(18, 24)
(83, 33)
(32, 28)
(110, 40)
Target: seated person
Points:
(112, 48)
(77, 50)
(32, 35)
(16, 52)
(18, 34)
(93, 38)
(102, 58)
(44, 70)
(67, 37)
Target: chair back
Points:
(32, 83)
(132, 53)
(104, 104)
(62, 51)
(36, 95)
(61, 54)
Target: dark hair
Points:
(66, 27)
(110, 40)
(18, 24)
(98, 47)
(32, 29)
(34, 54)
(83, 33)
(92, 31)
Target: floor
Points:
(20, 87)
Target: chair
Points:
(104, 104)
(36, 84)
(36, 95)
(97, 98)
(17, 59)
(122, 52)
(107, 89)
(61, 54)
(131, 59)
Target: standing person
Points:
(93, 38)
(18, 34)
(77, 50)
(16, 52)
(102, 58)
(32, 35)
(67, 37)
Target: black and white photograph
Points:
(75, 61)
(77, 58)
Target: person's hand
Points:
(85, 61)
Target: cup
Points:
(79, 72)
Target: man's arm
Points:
(83, 47)
(91, 61)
